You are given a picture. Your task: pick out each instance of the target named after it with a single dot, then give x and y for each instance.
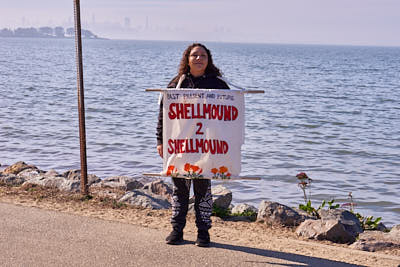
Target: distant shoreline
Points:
(46, 32)
(53, 38)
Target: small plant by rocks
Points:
(227, 213)
(220, 212)
(305, 184)
(367, 222)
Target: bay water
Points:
(330, 111)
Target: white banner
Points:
(203, 132)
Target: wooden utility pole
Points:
(81, 98)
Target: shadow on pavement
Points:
(300, 259)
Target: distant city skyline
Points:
(347, 22)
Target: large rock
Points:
(395, 231)
(145, 199)
(143, 179)
(125, 183)
(348, 219)
(336, 225)
(277, 214)
(331, 230)
(381, 227)
(58, 182)
(75, 175)
(70, 186)
(18, 167)
(159, 187)
(242, 208)
(30, 173)
(52, 179)
(376, 241)
(11, 179)
(52, 182)
(222, 197)
(52, 172)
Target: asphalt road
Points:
(36, 237)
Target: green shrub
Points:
(220, 212)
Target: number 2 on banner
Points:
(199, 126)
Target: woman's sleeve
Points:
(159, 132)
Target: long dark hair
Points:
(184, 64)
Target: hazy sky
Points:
(356, 22)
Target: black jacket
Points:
(203, 82)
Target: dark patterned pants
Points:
(202, 205)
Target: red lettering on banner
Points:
(220, 148)
(199, 143)
(181, 142)
(202, 111)
(206, 146)
(213, 146)
(187, 110)
(171, 113)
(198, 113)
(180, 111)
(176, 144)
(227, 111)
(203, 146)
(221, 112)
(234, 113)
(213, 112)
(206, 110)
(199, 125)
(225, 147)
(170, 146)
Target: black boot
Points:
(175, 238)
(203, 238)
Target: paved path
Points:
(36, 237)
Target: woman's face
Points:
(198, 61)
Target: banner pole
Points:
(208, 178)
(81, 98)
(168, 89)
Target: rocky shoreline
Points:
(333, 225)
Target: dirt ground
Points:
(255, 235)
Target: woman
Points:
(196, 70)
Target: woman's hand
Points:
(160, 150)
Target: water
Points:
(331, 111)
